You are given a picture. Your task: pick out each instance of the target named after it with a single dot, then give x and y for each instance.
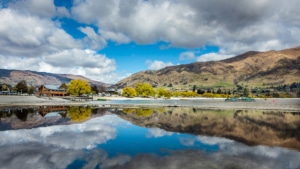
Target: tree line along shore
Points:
(80, 87)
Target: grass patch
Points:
(223, 84)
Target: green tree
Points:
(194, 88)
(246, 92)
(95, 89)
(30, 90)
(5, 87)
(144, 90)
(200, 91)
(22, 86)
(129, 92)
(63, 86)
(79, 87)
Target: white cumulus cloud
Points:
(93, 40)
(156, 64)
(24, 35)
(213, 57)
(187, 56)
(234, 26)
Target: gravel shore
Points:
(267, 104)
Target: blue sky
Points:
(110, 40)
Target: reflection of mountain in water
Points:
(252, 127)
(21, 118)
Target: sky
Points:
(110, 40)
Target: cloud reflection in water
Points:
(76, 146)
(76, 136)
(156, 132)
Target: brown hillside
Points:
(12, 77)
(252, 68)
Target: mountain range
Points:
(251, 68)
(34, 78)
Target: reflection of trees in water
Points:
(63, 114)
(6, 113)
(99, 111)
(139, 112)
(21, 114)
(75, 113)
(44, 110)
(79, 114)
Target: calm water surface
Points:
(135, 138)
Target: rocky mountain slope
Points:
(34, 78)
(251, 68)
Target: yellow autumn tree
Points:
(161, 92)
(129, 92)
(144, 90)
(79, 87)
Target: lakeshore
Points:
(292, 104)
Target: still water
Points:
(137, 138)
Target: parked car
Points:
(242, 99)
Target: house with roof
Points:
(51, 90)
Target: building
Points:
(51, 90)
(111, 91)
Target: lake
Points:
(148, 137)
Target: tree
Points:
(79, 87)
(129, 92)
(246, 92)
(144, 90)
(208, 95)
(63, 86)
(200, 91)
(102, 89)
(139, 89)
(95, 89)
(194, 88)
(31, 90)
(161, 92)
(22, 86)
(5, 87)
